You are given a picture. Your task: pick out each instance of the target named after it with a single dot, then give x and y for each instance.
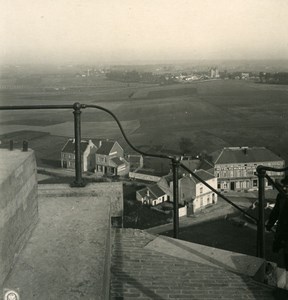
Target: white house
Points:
(152, 195)
(109, 159)
(202, 195)
(87, 149)
(192, 192)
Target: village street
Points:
(220, 210)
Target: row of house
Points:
(192, 193)
(104, 157)
(231, 169)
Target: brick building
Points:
(235, 167)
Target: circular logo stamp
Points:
(11, 295)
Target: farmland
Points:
(212, 114)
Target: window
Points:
(255, 183)
(201, 201)
(201, 190)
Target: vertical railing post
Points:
(261, 220)
(175, 169)
(77, 133)
(25, 146)
(11, 145)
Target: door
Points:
(232, 186)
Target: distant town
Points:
(21, 76)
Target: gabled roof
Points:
(105, 147)
(97, 142)
(142, 192)
(205, 165)
(168, 178)
(205, 175)
(154, 192)
(69, 147)
(244, 155)
(117, 161)
(157, 191)
(191, 164)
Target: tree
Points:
(185, 145)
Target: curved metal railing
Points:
(176, 163)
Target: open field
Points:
(211, 114)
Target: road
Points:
(221, 209)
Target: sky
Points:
(106, 31)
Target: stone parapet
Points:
(18, 204)
(69, 253)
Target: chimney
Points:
(25, 146)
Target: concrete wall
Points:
(183, 211)
(18, 204)
(144, 177)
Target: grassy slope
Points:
(217, 114)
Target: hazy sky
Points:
(69, 31)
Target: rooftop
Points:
(69, 147)
(205, 175)
(117, 161)
(244, 155)
(75, 253)
(68, 256)
(145, 266)
(106, 147)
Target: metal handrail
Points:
(79, 182)
(176, 163)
